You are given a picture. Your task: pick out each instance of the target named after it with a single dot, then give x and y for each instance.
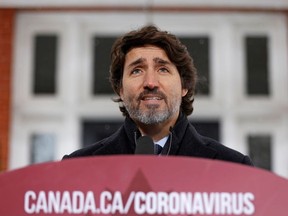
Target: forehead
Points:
(146, 52)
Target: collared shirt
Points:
(162, 141)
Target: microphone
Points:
(144, 145)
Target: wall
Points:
(6, 42)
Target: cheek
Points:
(127, 92)
(130, 87)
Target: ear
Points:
(184, 92)
(121, 93)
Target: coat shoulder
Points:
(86, 151)
(97, 148)
(225, 153)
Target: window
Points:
(260, 150)
(208, 128)
(257, 65)
(198, 47)
(101, 63)
(42, 148)
(93, 131)
(45, 64)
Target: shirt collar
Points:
(162, 141)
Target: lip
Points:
(152, 100)
(148, 98)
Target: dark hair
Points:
(175, 50)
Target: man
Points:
(154, 77)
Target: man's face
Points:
(151, 86)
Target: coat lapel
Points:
(186, 141)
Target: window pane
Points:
(45, 56)
(208, 128)
(260, 150)
(42, 148)
(93, 131)
(257, 66)
(101, 64)
(198, 47)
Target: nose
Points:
(151, 80)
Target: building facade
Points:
(56, 96)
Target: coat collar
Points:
(184, 139)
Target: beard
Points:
(152, 114)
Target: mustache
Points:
(152, 92)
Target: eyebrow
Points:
(137, 62)
(156, 60)
(161, 61)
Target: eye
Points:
(163, 70)
(135, 71)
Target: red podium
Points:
(142, 185)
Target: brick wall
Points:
(6, 46)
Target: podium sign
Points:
(142, 185)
